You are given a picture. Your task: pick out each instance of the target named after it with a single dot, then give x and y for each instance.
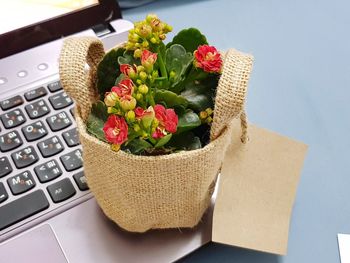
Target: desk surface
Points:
(300, 87)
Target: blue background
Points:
(300, 87)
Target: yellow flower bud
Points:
(155, 124)
(155, 74)
(145, 30)
(127, 103)
(162, 36)
(150, 17)
(133, 37)
(143, 89)
(143, 75)
(145, 44)
(172, 74)
(130, 115)
(139, 96)
(137, 127)
(153, 40)
(139, 82)
(168, 28)
(129, 45)
(209, 120)
(209, 111)
(140, 68)
(137, 53)
(203, 115)
(115, 147)
(111, 99)
(111, 110)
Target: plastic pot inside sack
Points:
(152, 192)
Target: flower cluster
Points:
(149, 32)
(153, 122)
(161, 98)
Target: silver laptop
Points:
(47, 213)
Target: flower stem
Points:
(161, 64)
(151, 99)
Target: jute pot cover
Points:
(149, 192)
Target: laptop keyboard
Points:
(40, 154)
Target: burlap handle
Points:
(75, 54)
(230, 96)
(231, 93)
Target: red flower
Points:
(208, 59)
(159, 133)
(116, 129)
(167, 121)
(139, 112)
(128, 70)
(148, 58)
(124, 88)
(146, 116)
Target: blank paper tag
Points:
(344, 247)
(257, 190)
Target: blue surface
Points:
(300, 87)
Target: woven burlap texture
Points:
(151, 192)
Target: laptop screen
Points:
(28, 23)
(29, 12)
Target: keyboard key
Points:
(80, 179)
(25, 157)
(34, 131)
(50, 146)
(13, 118)
(59, 121)
(37, 109)
(55, 86)
(5, 167)
(60, 101)
(3, 193)
(22, 208)
(35, 93)
(72, 161)
(21, 183)
(48, 171)
(71, 137)
(10, 141)
(11, 102)
(61, 190)
(72, 111)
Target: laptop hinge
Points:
(103, 29)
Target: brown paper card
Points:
(257, 189)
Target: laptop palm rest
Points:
(87, 235)
(37, 245)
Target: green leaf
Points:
(137, 146)
(128, 58)
(99, 109)
(169, 98)
(177, 60)
(190, 39)
(185, 141)
(164, 140)
(108, 70)
(188, 121)
(119, 79)
(96, 120)
(199, 96)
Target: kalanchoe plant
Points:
(156, 98)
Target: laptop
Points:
(47, 213)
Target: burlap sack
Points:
(148, 192)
